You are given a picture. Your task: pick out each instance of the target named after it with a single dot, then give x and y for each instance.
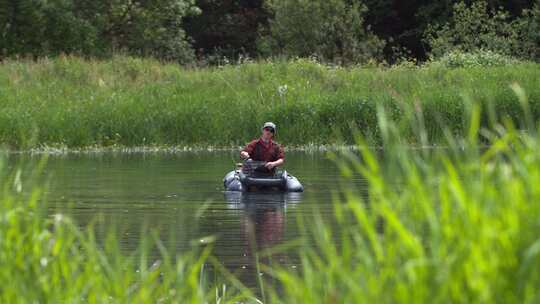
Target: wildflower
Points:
(43, 261)
(58, 217)
(282, 90)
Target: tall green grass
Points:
(434, 226)
(134, 102)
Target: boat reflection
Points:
(263, 224)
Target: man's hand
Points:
(244, 155)
(270, 165)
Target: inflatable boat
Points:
(254, 176)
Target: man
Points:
(265, 149)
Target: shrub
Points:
(528, 27)
(331, 30)
(95, 28)
(475, 27)
(485, 58)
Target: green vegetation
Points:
(476, 27)
(97, 28)
(206, 32)
(444, 226)
(435, 226)
(479, 58)
(451, 225)
(302, 28)
(134, 102)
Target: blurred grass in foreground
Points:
(458, 225)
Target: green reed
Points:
(73, 102)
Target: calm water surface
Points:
(181, 196)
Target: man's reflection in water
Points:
(263, 226)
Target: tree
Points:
(476, 27)
(402, 24)
(153, 28)
(528, 28)
(226, 27)
(332, 30)
(95, 28)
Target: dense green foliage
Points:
(330, 30)
(231, 26)
(42, 28)
(226, 28)
(447, 226)
(95, 28)
(202, 32)
(475, 28)
(126, 101)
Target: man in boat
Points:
(265, 149)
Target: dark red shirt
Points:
(258, 150)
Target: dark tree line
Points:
(227, 27)
(232, 27)
(342, 31)
(405, 22)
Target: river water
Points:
(181, 196)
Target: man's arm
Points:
(279, 162)
(248, 149)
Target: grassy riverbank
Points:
(73, 102)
